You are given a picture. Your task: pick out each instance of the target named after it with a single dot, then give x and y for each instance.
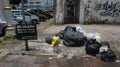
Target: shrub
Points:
(87, 22)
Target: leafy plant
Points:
(87, 22)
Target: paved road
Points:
(45, 61)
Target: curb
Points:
(4, 55)
(5, 52)
(31, 53)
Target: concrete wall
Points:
(59, 17)
(82, 12)
(107, 11)
(60, 11)
(2, 11)
(99, 11)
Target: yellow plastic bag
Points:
(55, 41)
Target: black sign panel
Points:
(26, 32)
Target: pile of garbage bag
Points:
(92, 47)
(70, 36)
(75, 36)
(105, 53)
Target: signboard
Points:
(26, 32)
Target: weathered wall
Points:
(82, 11)
(107, 11)
(99, 11)
(59, 17)
(2, 11)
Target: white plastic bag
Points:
(79, 29)
(96, 36)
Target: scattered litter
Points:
(50, 58)
(61, 55)
(75, 36)
(79, 29)
(60, 45)
(70, 55)
(55, 41)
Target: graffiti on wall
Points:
(109, 9)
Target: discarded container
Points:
(55, 41)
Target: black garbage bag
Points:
(49, 39)
(60, 34)
(73, 38)
(70, 28)
(107, 56)
(72, 43)
(105, 44)
(92, 47)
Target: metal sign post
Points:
(23, 12)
